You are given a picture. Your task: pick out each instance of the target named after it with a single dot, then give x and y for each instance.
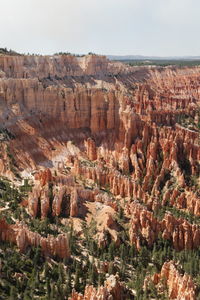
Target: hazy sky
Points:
(146, 27)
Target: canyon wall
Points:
(144, 226)
(112, 290)
(180, 287)
(96, 138)
(24, 238)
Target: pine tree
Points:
(132, 253)
(60, 290)
(77, 277)
(54, 291)
(121, 213)
(68, 284)
(26, 295)
(110, 268)
(37, 256)
(48, 287)
(61, 273)
(13, 293)
(91, 273)
(100, 279)
(122, 252)
(111, 251)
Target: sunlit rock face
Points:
(112, 289)
(23, 238)
(144, 226)
(95, 138)
(180, 287)
(46, 101)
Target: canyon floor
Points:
(99, 179)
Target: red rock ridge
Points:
(23, 237)
(180, 287)
(144, 226)
(112, 290)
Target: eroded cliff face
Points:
(104, 145)
(144, 226)
(57, 65)
(24, 238)
(180, 287)
(112, 103)
(111, 290)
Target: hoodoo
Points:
(100, 178)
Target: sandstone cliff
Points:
(111, 290)
(180, 287)
(144, 225)
(107, 146)
(23, 237)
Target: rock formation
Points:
(144, 225)
(23, 237)
(91, 149)
(111, 290)
(180, 287)
(96, 138)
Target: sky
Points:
(115, 27)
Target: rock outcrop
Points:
(23, 237)
(91, 149)
(112, 290)
(180, 287)
(56, 66)
(144, 226)
(97, 137)
(87, 95)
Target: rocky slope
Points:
(23, 238)
(100, 155)
(180, 287)
(112, 289)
